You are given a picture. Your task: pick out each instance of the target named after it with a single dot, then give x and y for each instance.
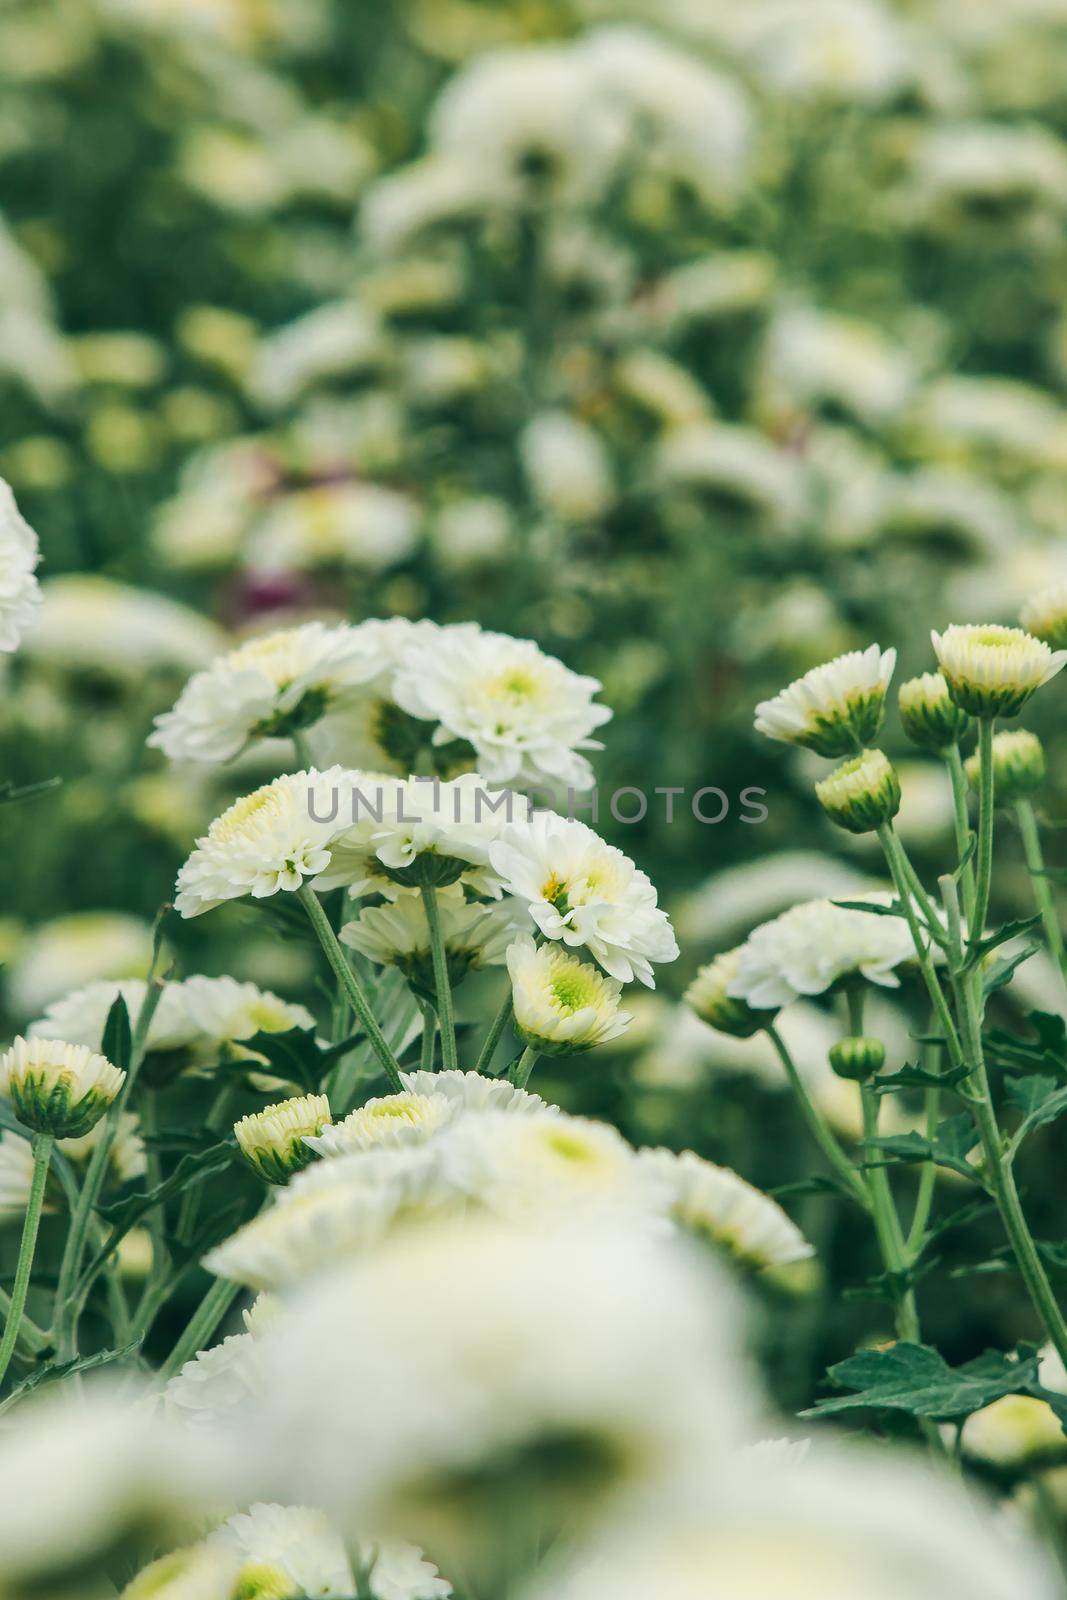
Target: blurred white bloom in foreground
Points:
(562, 1004)
(473, 1091)
(218, 1384)
(196, 1572)
(95, 624)
(567, 465)
(568, 1373)
(717, 1205)
(838, 1524)
(734, 900)
(1020, 1427)
(526, 714)
(74, 950)
(833, 708)
(585, 892)
(20, 593)
(268, 687)
(811, 946)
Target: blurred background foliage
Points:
(698, 341)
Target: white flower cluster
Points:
(20, 595)
(813, 945)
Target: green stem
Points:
(894, 855)
(520, 1071)
(887, 1223)
(429, 1036)
(924, 1199)
(962, 824)
(1035, 864)
(818, 1126)
(201, 1326)
(495, 1034)
(303, 753)
(985, 828)
(349, 982)
(42, 1155)
(445, 1014)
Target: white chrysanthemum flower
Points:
(527, 716)
(70, 951)
(335, 524)
(750, 478)
(20, 594)
(338, 1208)
(522, 1168)
(840, 1523)
(473, 1091)
(716, 1204)
(397, 935)
(415, 832)
(841, 51)
(297, 1546)
(929, 715)
(270, 686)
(367, 731)
(808, 948)
(583, 1366)
(127, 1159)
(567, 466)
(709, 997)
(562, 1004)
(386, 1123)
(1045, 615)
(199, 1572)
(992, 670)
(814, 358)
(58, 1088)
(835, 708)
(223, 1013)
(270, 840)
(585, 892)
(273, 1141)
(217, 1385)
(90, 623)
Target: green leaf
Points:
(10, 794)
(1003, 972)
(1039, 1104)
(955, 1137)
(918, 1381)
(978, 948)
(117, 1040)
(52, 1371)
(873, 908)
(124, 1214)
(296, 1055)
(917, 1078)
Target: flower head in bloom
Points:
(296, 1549)
(717, 1205)
(473, 1091)
(386, 1123)
(200, 1572)
(991, 670)
(562, 1004)
(584, 892)
(1018, 765)
(58, 1088)
(833, 709)
(709, 996)
(272, 1140)
(20, 595)
(397, 935)
(525, 714)
(270, 686)
(861, 794)
(403, 835)
(269, 840)
(1045, 615)
(811, 946)
(931, 717)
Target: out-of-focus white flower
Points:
(397, 935)
(526, 715)
(92, 623)
(339, 339)
(843, 51)
(127, 1160)
(836, 1524)
(74, 950)
(224, 1013)
(268, 687)
(58, 1088)
(567, 466)
(418, 831)
(16, 1174)
(413, 200)
(270, 840)
(1045, 615)
(709, 997)
(1020, 1427)
(745, 475)
(569, 1372)
(835, 707)
(814, 358)
(811, 946)
(734, 900)
(198, 1572)
(472, 532)
(20, 594)
(274, 1141)
(585, 892)
(992, 422)
(715, 1204)
(562, 1004)
(989, 176)
(217, 1385)
(335, 524)
(1018, 765)
(992, 670)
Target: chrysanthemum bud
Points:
(709, 996)
(857, 1058)
(992, 671)
(562, 1005)
(833, 708)
(1045, 615)
(931, 717)
(272, 1140)
(1018, 765)
(862, 793)
(58, 1088)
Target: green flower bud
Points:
(931, 717)
(862, 793)
(708, 995)
(857, 1058)
(272, 1140)
(1018, 765)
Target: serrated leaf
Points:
(978, 948)
(955, 1137)
(1047, 1110)
(297, 1056)
(917, 1380)
(53, 1371)
(124, 1214)
(873, 908)
(1003, 972)
(918, 1078)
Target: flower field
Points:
(533, 606)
